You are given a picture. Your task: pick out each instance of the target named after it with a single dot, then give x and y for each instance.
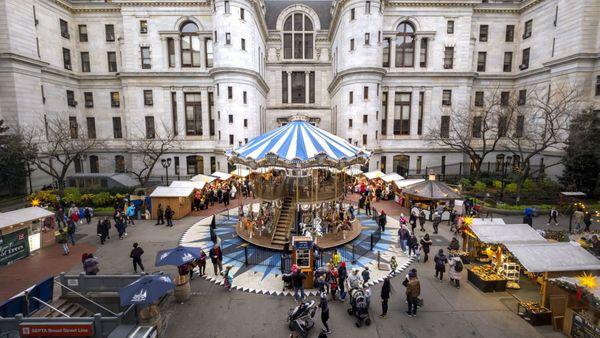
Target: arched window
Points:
(298, 37)
(119, 164)
(405, 45)
(190, 45)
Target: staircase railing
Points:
(276, 225)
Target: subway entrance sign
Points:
(84, 329)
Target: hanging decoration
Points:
(588, 281)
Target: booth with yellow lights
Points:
(21, 233)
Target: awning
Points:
(392, 177)
(187, 184)
(221, 175)
(488, 221)
(240, 172)
(23, 215)
(172, 192)
(432, 190)
(553, 257)
(374, 174)
(506, 233)
(203, 178)
(405, 183)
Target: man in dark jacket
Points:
(342, 275)
(298, 278)
(382, 221)
(386, 289)
(160, 215)
(216, 257)
(136, 256)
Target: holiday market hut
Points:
(21, 233)
(187, 184)
(579, 302)
(179, 199)
(430, 195)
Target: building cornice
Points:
(235, 70)
(339, 77)
(116, 5)
(573, 58)
(23, 59)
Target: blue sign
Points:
(303, 245)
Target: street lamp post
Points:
(166, 163)
(505, 165)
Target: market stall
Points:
(203, 178)
(392, 177)
(221, 175)
(430, 195)
(187, 184)
(400, 185)
(242, 173)
(21, 233)
(373, 175)
(179, 199)
(580, 305)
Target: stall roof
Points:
(392, 177)
(23, 215)
(488, 221)
(553, 257)
(186, 184)
(405, 183)
(221, 175)
(374, 174)
(172, 192)
(203, 178)
(240, 172)
(573, 194)
(506, 233)
(432, 190)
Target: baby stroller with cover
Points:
(300, 318)
(359, 306)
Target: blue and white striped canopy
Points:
(298, 144)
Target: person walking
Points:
(413, 245)
(324, 312)
(366, 276)
(382, 220)
(62, 240)
(202, 263)
(130, 212)
(578, 216)
(368, 210)
(298, 278)
(71, 228)
(90, 265)
(60, 217)
(216, 257)
(160, 215)
(136, 256)
(456, 267)
(169, 213)
(426, 244)
(587, 220)
(440, 264)
(437, 219)
(342, 275)
(228, 277)
(386, 289)
(403, 236)
(336, 258)
(413, 291)
(120, 225)
(422, 220)
(87, 214)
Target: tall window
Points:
(510, 33)
(483, 33)
(446, 97)
(528, 29)
(67, 58)
(522, 97)
(243, 44)
(85, 62)
(367, 38)
(228, 38)
(402, 105)
(174, 113)
(405, 45)
(171, 51)
(448, 57)
(89, 99)
(208, 52)
(242, 14)
(401, 164)
(519, 126)
(119, 164)
(211, 118)
(64, 29)
(450, 27)
(146, 60)
(298, 87)
(598, 85)
(502, 125)
(477, 124)
(94, 165)
(195, 165)
(445, 126)
(352, 14)
(525, 59)
(143, 27)
(227, 7)
(423, 56)
(311, 87)
(384, 104)
(230, 93)
(478, 99)
(504, 99)
(110, 32)
(190, 45)
(368, 7)
(73, 128)
(83, 34)
(481, 61)
(148, 99)
(117, 129)
(150, 130)
(284, 87)
(351, 97)
(507, 66)
(91, 127)
(115, 100)
(71, 98)
(365, 93)
(387, 42)
(298, 37)
(421, 113)
(351, 44)
(193, 114)
(112, 61)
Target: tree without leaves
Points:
(477, 139)
(63, 145)
(13, 160)
(546, 119)
(151, 150)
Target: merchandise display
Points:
(487, 273)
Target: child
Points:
(418, 251)
(393, 265)
(227, 278)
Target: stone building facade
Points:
(217, 73)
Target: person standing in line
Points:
(160, 215)
(382, 220)
(216, 257)
(202, 263)
(386, 289)
(298, 278)
(425, 244)
(169, 213)
(324, 312)
(440, 264)
(136, 256)
(342, 275)
(413, 291)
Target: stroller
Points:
(300, 318)
(359, 307)
(287, 281)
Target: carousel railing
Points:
(307, 190)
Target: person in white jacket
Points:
(456, 267)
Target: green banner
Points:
(14, 246)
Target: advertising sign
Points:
(14, 246)
(56, 329)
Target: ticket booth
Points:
(302, 256)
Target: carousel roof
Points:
(298, 144)
(432, 190)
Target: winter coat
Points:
(451, 272)
(413, 288)
(440, 262)
(298, 279)
(386, 289)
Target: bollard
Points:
(378, 259)
(246, 255)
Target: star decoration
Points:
(588, 281)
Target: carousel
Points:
(298, 173)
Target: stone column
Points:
(414, 112)
(393, 53)
(417, 52)
(289, 93)
(202, 54)
(306, 87)
(165, 49)
(390, 106)
(177, 41)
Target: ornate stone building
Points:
(217, 73)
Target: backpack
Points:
(458, 266)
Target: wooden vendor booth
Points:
(21, 232)
(179, 199)
(581, 300)
(430, 195)
(187, 184)
(553, 260)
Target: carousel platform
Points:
(327, 241)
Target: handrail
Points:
(52, 307)
(84, 297)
